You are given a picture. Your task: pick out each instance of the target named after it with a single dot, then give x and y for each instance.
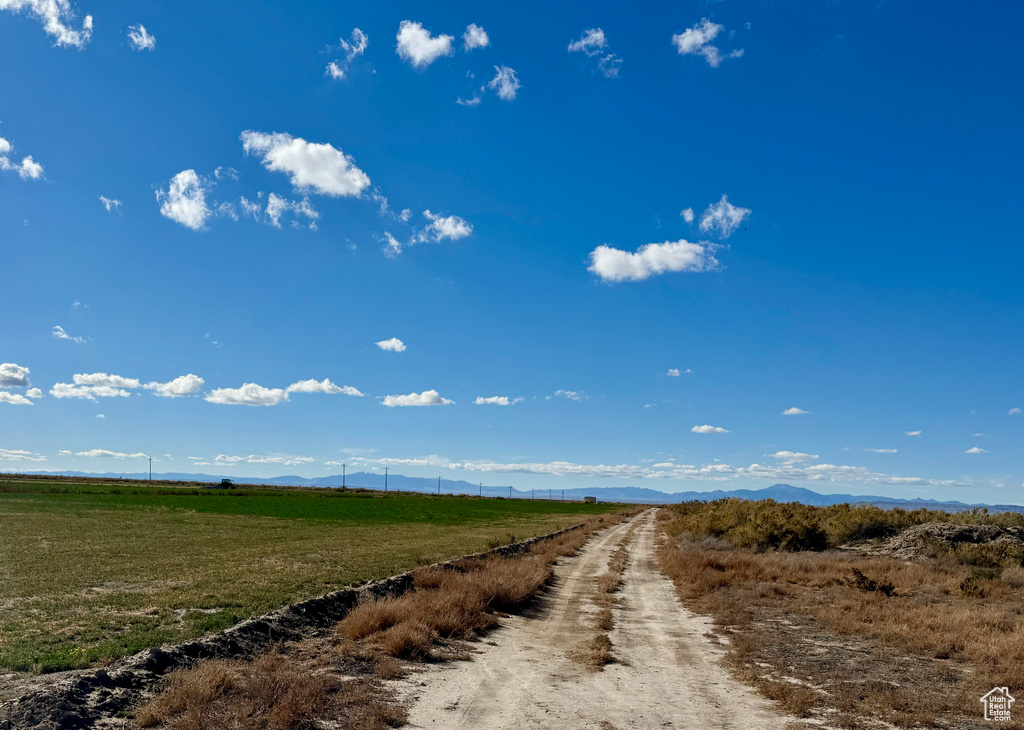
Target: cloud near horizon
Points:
(426, 398)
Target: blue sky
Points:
(639, 235)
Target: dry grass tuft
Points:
(603, 620)
(594, 653)
(273, 692)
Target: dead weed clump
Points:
(594, 653)
(273, 692)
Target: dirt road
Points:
(668, 673)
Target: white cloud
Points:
(472, 101)
(27, 169)
(184, 201)
(89, 392)
(794, 411)
(277, 206)
(392, 246)
(794, 456)
(140, 39)
(107, 454)
(687, 215)
(612, 264)
(426, 398)
(505, 83)
(708, 429)
(60, 334)
(100, 416)
(20, 455)
(34, 393)
(354, 47)
(224, 459)
(110, 203)
(1015, 412)
(282, 460)
(576, 395)
(882, 451)
(674, 372)
(450, 227)
(392, 345)
(250, 394)
(54, 15)
(418, 47)
(13, 376)
(593, 43)
(723, 217)
(497, 400)
(696, 41)
(14, 399)
(474, 37)
(179, 387)
(913, 433)
(311, 166)
(104, 380)
(975, 450)
(321, 386)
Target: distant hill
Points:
(633, 495)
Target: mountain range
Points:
(633, 495)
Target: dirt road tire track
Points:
(669, 673)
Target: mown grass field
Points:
(90, 573)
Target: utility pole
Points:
(150, 468)
(385, 479)
(533, 493)
(438, 485)
(342, 476)
(510, 491)
(549, 495)
(481, 489)
(563, 495)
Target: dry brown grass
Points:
(593, 653)
(961, 628)
(273, 692)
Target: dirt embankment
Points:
(87, 698)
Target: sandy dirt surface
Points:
(668, 673)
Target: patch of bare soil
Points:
(668, 673)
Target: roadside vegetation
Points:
(92, 572)
(821, 620)
(338, 680)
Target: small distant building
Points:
(997, 704)
(590, 500)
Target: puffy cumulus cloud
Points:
(104, 380)
(56, 16)
(594, 44)
(882, 451)
(250, 394)
(913, 433)
(34, 393)
(184, 201)
(60, 334)
(225, 459)
(140, 39)
(794, 456)
(975, 450)
(723, 217)
(321, 386)
(716, 471)
(107, 454)
(110, 204)
(180, 387)
(311, 166)
(27, 169)
(14, 399)
(474, 37)
(708, 429)
(426, 398)
(497, 400)
(612, 264)
(441, 228)
(278, 206)
(697, 41)
(13, 375)
(505, 83)
(392, 345)
(20, 455)
(352, 48)
(794, 411)
(87, 392)
(418, 47)
(687, 215)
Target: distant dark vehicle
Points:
(226, 484)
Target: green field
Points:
(92, 572)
